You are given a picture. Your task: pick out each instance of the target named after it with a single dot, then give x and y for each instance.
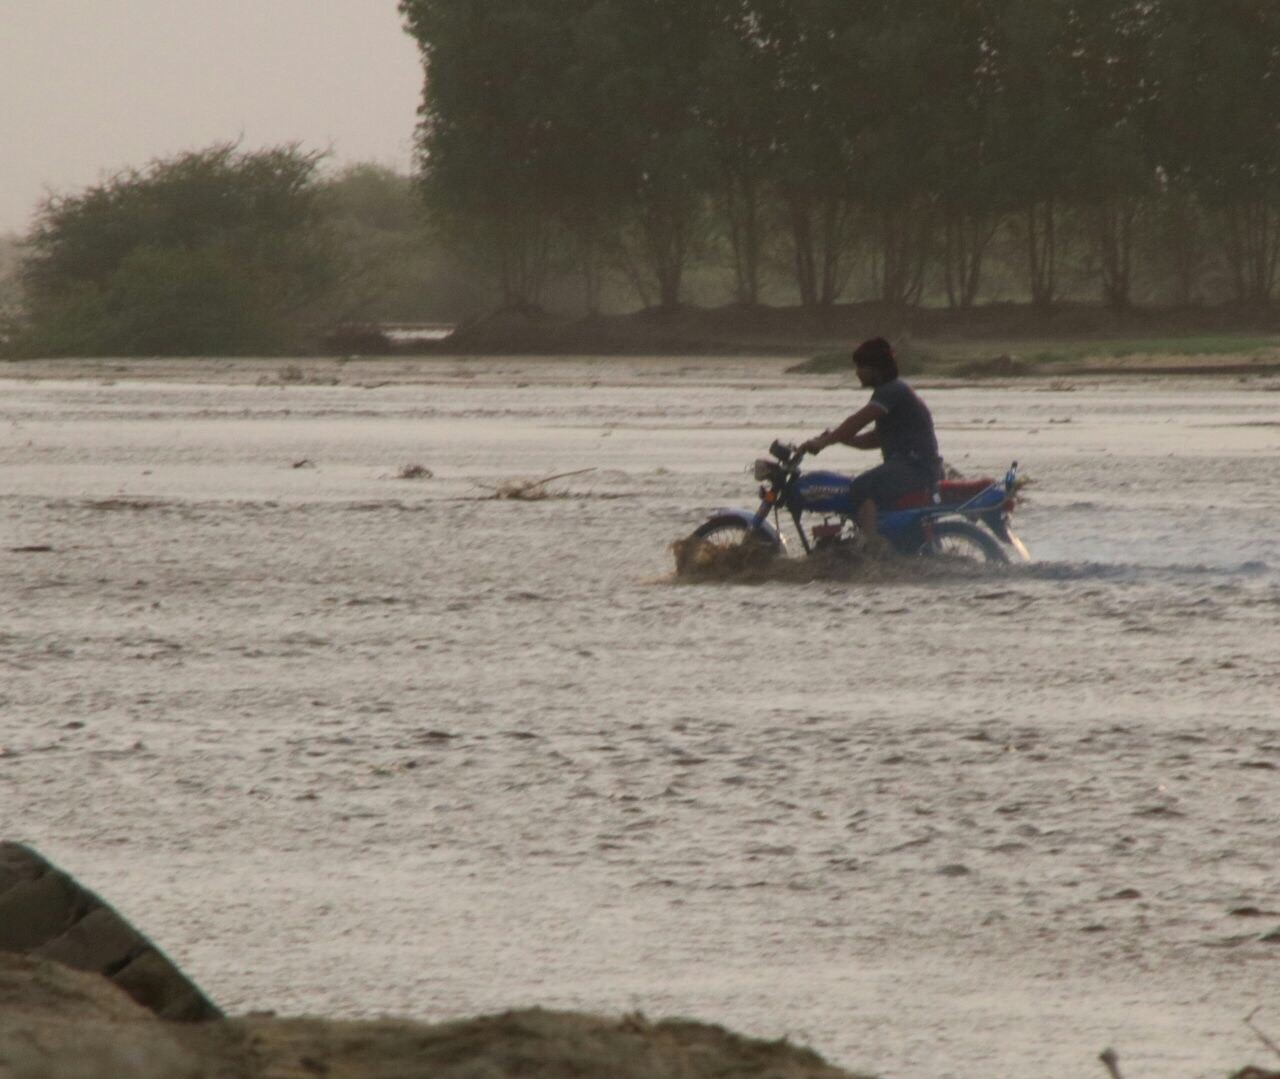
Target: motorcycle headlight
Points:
(763, 468)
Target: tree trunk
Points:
(965, 240)
(899, 263)
(1042, 252)
(524, 254)
(799, 212)
(820, 235)
(836, 214)
(665, 229)
(590, 268)
(1181, 236)
(1113, 222)
(742, 213)
(1252, 242)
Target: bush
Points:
(212, 252)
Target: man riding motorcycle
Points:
(903, 432)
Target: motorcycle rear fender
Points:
(748, 518)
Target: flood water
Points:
(354, 744)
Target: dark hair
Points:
(877, 352)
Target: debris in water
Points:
(529, 490)
(1111, 1061)
(414, 472)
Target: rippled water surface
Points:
(355, 744)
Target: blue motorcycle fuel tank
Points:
(825, 492)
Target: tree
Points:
(739, 106)
(815, 158)
(10, 286)
(912, 58)
(661, 149)
(967, 173)
(1037, 134)
(1113, 94)
(212, 251)
(393, 269)
(1219, 63)
(490, 154)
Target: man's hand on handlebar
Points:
(816, 444)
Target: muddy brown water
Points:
(347, 743)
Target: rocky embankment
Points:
(83, 995)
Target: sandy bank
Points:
(83, 994)
(55, 1021)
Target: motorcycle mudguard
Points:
(748, 518)
(999, 524)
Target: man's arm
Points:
(847, 431)
(867, 440)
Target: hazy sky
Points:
(89, 86)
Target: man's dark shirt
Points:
(906, 428)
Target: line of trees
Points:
(887, 144)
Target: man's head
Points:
(874, 362)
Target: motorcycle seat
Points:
(950, 492)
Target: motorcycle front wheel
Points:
(724, 545)
(963, 540)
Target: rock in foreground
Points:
(47, 914)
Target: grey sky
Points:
(90, 86)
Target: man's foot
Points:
(876, 546)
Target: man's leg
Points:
(873, 542)
(865, 491)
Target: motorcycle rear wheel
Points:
(964, 540)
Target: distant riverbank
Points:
(934, 337)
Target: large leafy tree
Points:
(819, 116)
(739, 107)
(663, 148)
(966, 173)
(1219, 66)
(566, 119)
(391, 268)
(216, 250)
(490, 151)
(909, 56)
(1109, 64)
(1037, 131)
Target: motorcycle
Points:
(961, 519)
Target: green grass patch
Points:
(1040, 353)
(1010, 358)
(1218, 345)
(912, 360)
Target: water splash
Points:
(697, 562)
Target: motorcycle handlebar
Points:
(787, 453)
